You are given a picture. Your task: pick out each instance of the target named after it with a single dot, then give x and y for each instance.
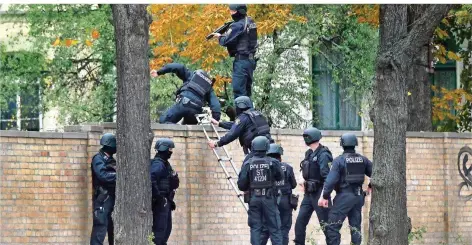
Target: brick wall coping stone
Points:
(178, 127)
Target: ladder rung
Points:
(225, 159)
(229, 177)
(240, 195)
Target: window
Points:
(444, 77)
(23, 111)
(331, 110)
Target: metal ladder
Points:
(205, 119)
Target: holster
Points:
(312, 186)
(294, 201)
(247, 196)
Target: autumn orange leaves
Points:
(68, 42)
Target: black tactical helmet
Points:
(164, 144)
(260, 143)
(108, 140)
(275, 149)
(348, 139)
(243, 102)
(311, 135)
(241, 8)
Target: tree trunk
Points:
(132, 214)
(398, 47)
(419, 85)
(419, 101)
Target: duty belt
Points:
(244, 56)
(262, 192)
(356, 190)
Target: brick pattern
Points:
(45, 189)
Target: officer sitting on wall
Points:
(286, 203)
(164, 183)
(258, 175)
(241, 42)
(315, 169)
(346, 177)
(103, 183)
(191, 97)
(249, 124)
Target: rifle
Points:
(220, 29)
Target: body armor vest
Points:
(200, 83)
(284, 184)
(247, 42)
(355, 169)
(258, 127)
(310, 166)
(110, 166)
(260, 173)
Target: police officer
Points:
(258, 175)
(103, 183)
(249, 124)
(346, 177)
(241, 42)
(191, 96)
(284, 187)
(164, 183)
(315, 169)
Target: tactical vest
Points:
(247, 42)
(164, 186)
(310, 166)
(200, 83)
(165, 182)
(260, 173)
(110, 166)
(284, 184)
(355, 169)
(258, 127)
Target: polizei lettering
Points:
(204, 77)
(259, 166)
(354, 160)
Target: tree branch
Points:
(422, 29)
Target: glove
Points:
(216, 115)
(172, 205)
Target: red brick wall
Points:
(45, 186)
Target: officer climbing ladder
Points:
(204, 120)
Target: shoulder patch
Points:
(237, 121)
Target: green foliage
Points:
(416, 234)
(78, 75)
(150, 238)
(22, 73)
(163, 94)
(459, 25)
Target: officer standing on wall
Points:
(103, 184)
(346, 177)
(258, 176)
(191, 97)
(249, 124)
(315, 169)
(241, 42)
(285, 202)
